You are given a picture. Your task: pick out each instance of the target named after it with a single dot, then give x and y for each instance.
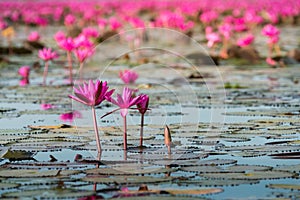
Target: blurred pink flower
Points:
(271, 62)
(83, 54)
(47, 54)
(90, 32)
(33, 36)
(59, 36)
(212, 38)
(270, 31)
(69, 20)
(24, 71)
(82, 41)
(47, 106)
(24, 82)
(245, 41)
(128, 76)
(69, 116)
(67, 44)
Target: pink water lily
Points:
(125, 101)
(92, 94)
(34, 36)
(24, 71)
(47, 54)
(68, 45)
(128, 76)
(245, 41)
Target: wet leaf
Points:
(254, 175)
(50, 194)
(125, 179)
(284, 186)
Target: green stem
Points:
(96, 130)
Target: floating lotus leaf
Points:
(33, 181)
(18, 132)
(246, 168)
(216, 182)
(6, 139)
(60, 126)
(203, 169)
(48, 165)
(50, 194)
(152, 197)
(126, 179)
(160, 156)
(5, 186)
(18, 155)
(127, 171)
(46, 145)
(3, 110)
(276, 121)
(190, 192)
(284, 186)
(254, 175)
(21, 173)
(290, 168)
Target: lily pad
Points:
(134, 170)
(254, 175)
(284, 186)
(50, 194)
(21, 173)
(126, 179)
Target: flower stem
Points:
(125, 134)
(96, 130)
(142, 131)
(80, 71)
(70, 67)
(45, 72)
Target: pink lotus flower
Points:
(59, 36)
(245, 41)
(83, 54)
(124, 101)
(271, 62)
(69, 116)
(70, 20)
(142, 105)
(47, 106)
(47, 54)
(24, 82)
(92, 94)
(82, 41)
(24, 71)
(34, 36)
(67, 44)
(270, 31)
(212, 38)
(90, 32)
(128, 76)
